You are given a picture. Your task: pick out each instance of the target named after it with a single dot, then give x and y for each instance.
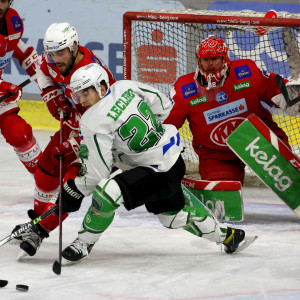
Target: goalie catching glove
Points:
(11, 91)
(68, 150)
(71, 197)
(56, 101)
(289, 99)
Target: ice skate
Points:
(76, 252)
(236, 240)
(17, 240)
(32, 239)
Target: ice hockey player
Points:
(61, 58)
(216, 99)
(123, 126)
(16, 131)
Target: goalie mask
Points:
(92, 75)
(214, 72)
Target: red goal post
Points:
(159, 47)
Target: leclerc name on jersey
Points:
(221, 113)
(121, 104)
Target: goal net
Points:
(159, 47)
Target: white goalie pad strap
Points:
(207, 185)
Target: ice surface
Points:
(136, 258)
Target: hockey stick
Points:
(28, 225)
(23, 84)
(280, 82)
(57, 264)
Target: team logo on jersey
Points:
(14, 36)
(224, 129)
(241, 86)
(198, 101)
(225, 111)
(242, 72)
(265, 73)
(4, 60)
(189, 90)
(17, 23)
(221, 98)
(52, 72)
(96, 60)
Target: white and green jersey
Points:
(125, 128)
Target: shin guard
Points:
(106, 199)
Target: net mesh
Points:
(163, 51)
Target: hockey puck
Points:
(3, 283)
(22, 287)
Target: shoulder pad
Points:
(13, 21)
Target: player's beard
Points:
(63, 68)
(2, 14)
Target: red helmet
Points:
(211, 47)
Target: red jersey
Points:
(50, 70)
(10, 37)
(11, 45)
(213, 114)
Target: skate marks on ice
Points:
(139, 259)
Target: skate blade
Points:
(246, 243)
(22, 255)
(65, 262)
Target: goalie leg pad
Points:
(214, 169)
(159, 191)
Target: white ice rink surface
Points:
(136, 258)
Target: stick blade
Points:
(56, 267)
(3, 283)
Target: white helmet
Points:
(87, 76)
(59, 36)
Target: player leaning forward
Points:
(123, 126)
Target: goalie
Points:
(218, 97)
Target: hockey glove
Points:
(27, 59)
(12, 91)
(289, 99)
(69, 150)
(55, 101)
(71, 197)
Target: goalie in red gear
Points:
(215, 100)
(61, 58)
(16, 131)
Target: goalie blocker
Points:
(270, 159)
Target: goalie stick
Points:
(23, 84)
(28, 225)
